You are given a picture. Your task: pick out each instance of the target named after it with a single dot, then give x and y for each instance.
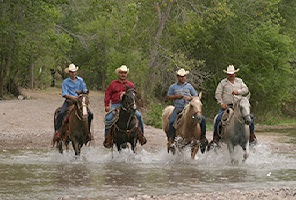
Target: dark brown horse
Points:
(125, 130)
(75, 126)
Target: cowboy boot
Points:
(170, 144)
(252, 139)
(108, 141)
(203, 142)
(141, 138)
(214, 143)
(56, 136)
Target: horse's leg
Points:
(75, 146)
(118, 147)
(245, 151)
(60, 146)
(230, 147)
(194, 150)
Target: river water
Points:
(100, 174)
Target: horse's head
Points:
(196, 109)
(81, 106)
(128, 100)
(244, 105)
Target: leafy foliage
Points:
(153, 38)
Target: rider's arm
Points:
(171, 94)
(218, 96)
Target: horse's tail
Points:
(165, 116)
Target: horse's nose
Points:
(196, 118)
(248, 120)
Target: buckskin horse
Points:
(235, 126)
(187, 126)
(75, 127)
(125, 128)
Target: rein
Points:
(82, 108)
(127, 130)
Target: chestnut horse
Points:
(75, 126)
(187, 125)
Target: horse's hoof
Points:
(171, 149)
(253, 143)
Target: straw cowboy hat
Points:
(230, 70)
(182, 72)
(122, 68)
(71, 68)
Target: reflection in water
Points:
(34, 174)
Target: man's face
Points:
(181, 79)
(122, 75)
(231, 77)
(72, 74)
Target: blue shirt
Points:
(69, 86)
(186, 89)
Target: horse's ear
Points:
(200, 95)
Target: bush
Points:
(153, 115)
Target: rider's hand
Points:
(186, 98)
(121, 94)
(107, 108)
(73, 98)
(235, 92)
(223, 106)
(179, 96)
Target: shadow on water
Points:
(36, 174)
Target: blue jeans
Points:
(109, 117)
(173, 117)
(219, 117)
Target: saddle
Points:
(110, 124)
(178, 119)
(226, 117)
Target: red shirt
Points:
(114, 90)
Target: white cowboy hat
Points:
(182, 72)
(122, 68)
(71, 68)
(230, 70)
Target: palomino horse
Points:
(235, 129)
(187, 126)
(75, 126)
(125, 128)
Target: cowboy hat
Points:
(230, 70)
(71, 68)
(122, 68)
(182, 72)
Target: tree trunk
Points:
(162, 18)
(32, 76)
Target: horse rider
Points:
(113, 94)
(225, 91)
(70, 86)
(181, 94)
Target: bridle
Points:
(127, 105)
(82, 107)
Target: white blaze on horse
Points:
(187, 125)
(235, 127)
